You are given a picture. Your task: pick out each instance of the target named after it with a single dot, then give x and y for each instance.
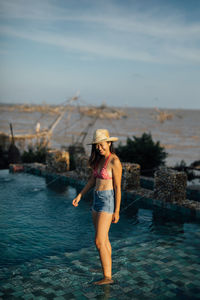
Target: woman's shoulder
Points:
(115, 161)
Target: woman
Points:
(106, 178)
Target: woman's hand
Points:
(115, 217)
(76, 200)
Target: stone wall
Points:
(130, 176)
(83, 170)
(170, 185)
(57, 161)
(130, 172)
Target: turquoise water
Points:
(47, 247)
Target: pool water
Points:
(47, 247)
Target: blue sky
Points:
(126, 53)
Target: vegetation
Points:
(143, 151)
(38, 155)
(183, 168)
(3, 159)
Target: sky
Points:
(120, 52)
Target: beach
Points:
(179, 135)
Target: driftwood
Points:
(43, 136)
(32, 108)
(162, 116)
(13, 152)
(45, 133)
(29, 136)
(102, 112)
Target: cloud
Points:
(78, 44)
(189, 54)
(104, 29)
(147, 23)
(28, 9)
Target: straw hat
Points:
(102, 135)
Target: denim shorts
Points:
(104, 201)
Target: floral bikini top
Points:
(104, 172)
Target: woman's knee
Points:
(100, 243)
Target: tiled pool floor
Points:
(148, 271)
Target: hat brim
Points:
(111, 139)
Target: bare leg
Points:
(102, 222)
(109, 246)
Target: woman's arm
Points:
(117, 177)
(87, 187)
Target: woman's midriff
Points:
(103, 184)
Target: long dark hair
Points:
(95, 156)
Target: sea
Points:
(179, 135)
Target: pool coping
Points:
(189, 208)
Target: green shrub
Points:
(143, 151)
(37, 155)
(182, 167)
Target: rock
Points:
(83, 170)
(130, 176)
(170, 185)
(57, 161)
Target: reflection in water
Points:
(106, 289)
(164, 216)
(56, 185)
(159, 220)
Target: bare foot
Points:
(105, 280)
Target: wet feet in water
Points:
(105, 280)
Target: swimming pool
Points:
(48, 252)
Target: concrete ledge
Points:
(147, 182)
